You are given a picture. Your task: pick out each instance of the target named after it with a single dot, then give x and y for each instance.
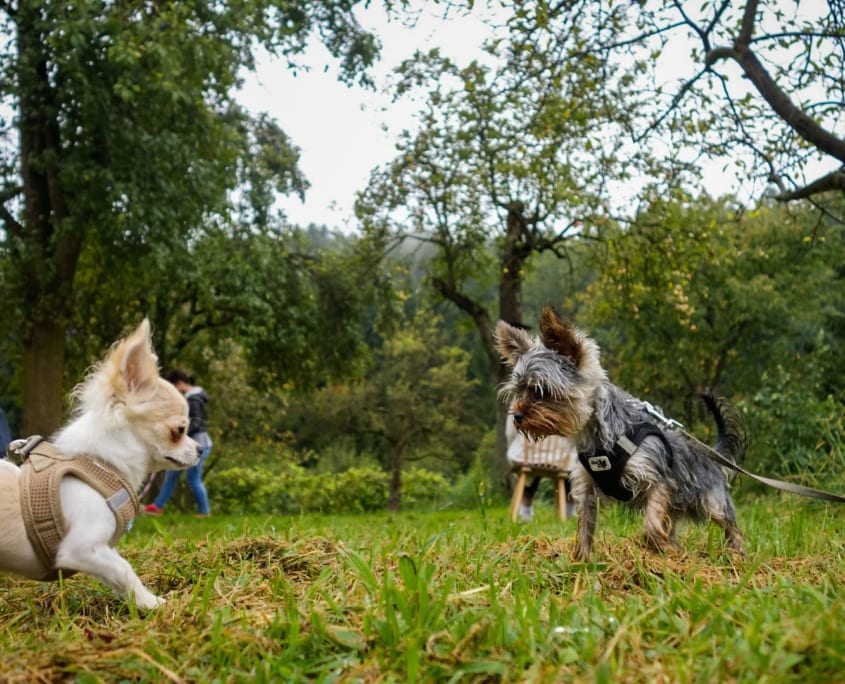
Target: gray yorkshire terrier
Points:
(558, 387)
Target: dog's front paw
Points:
(148, 601)
(581, 554)
(734, 538)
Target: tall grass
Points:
(447, 596)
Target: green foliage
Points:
(300, 324)
(292, 489)
(701, 294)
(357, 490)
(795, 433)
(285, 301)
(245, 490)
(413, 406)
(422, 487)
(130, 143)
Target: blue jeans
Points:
(193, 476)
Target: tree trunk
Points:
(43, 368)
(515, 252)
(394, 499)
(49, 248)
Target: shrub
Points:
(792, 432)
(255, 490)
(294, 489)
(237, 490)
(421, 486)
(361, 489)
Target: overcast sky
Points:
(344, 132)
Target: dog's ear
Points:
(511, 342)
(560, 335)
(134, 362)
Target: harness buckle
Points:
(656, 413)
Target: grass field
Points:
(447, 596)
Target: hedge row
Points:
(297, 490)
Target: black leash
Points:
(792, 488)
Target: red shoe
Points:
(152, 509)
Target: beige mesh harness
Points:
(41, 474)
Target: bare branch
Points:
(835, 180)
(777, 99)
(676, 101)
(12, 225)
(717, 17)
(635, 40)
(747, 29)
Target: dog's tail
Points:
(732, 437)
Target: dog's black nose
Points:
(517, 418)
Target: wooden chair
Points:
(553, 457)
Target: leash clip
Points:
(19, 449)
(668, 423)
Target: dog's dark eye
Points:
(177, 433)
(537, 393)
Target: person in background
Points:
(5, 433)
(198, 430)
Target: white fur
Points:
(128, 417)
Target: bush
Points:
(420, 486)
(792, 432)
(352, 491)
(255, 490)
(477, 482)
(293, 489)
(361, 489)
(237, 490)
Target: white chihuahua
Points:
(129, 420)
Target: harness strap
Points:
(42, 471)
(606, 467)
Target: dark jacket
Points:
(198, 415)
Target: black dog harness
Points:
(606, 467)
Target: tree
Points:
(129, 138)
(288, 301)
(414, 403)
(701, 293)
(513, 155)
(752, 80)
